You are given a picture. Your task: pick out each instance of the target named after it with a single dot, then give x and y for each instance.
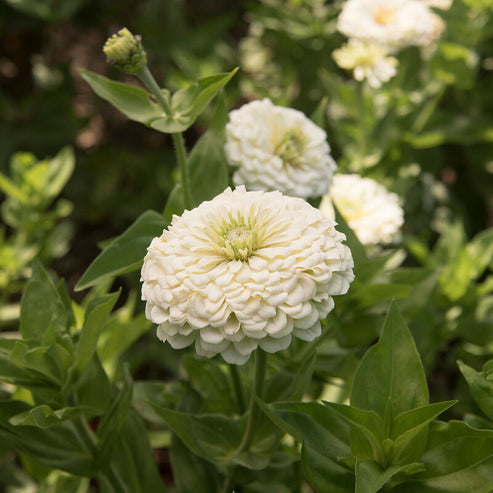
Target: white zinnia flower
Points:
(392, 23)
(244, 270)
(370, 210)
(367, 61)
(277, 148)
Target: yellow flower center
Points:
(384, 15)
(238, 239)
(291, 146)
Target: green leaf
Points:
(114, 417)
(204, 478)
(210, 380)
(358, 251)
(125, 253)
(481, 388)
(208, 169)
(10, 189)
(41, 306)
(132, 460)
(175, 204)
(60, 169)
(468, 264)
(93, 387)
(453, 458)
(326, 475)
(410, 431)
(370, 477)
(319, 114)
(57, 447)
(47, 10)
(318, 426)
(187, 104)
(97, 312)
(415, 418)
(213, 437)
(391, 370)
(135, 103)
(369, 423)
(44, 417)
(454, 64)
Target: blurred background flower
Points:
(277, 148)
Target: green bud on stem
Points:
(125, 51)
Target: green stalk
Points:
(235, 377)
(253, 409)
(181, 155)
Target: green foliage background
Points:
(91, 401)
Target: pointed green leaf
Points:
(415, 418)
(370, 477)
(410, 431)
(324, 474)
(207, 168)
(114, 417)
(9, 188)
(135, 103)
(97, 312)
(60, 169)
(132, 460)
(57, 447)
(391, 369)
(369, 423)
(358, 251)
(481, 388)
(208, 378)
(453, 447)
(319, 114)
(44, 417)
(187, 104)
(320, 427)
(41, 306)
(126, 253)
(204, 479)
(213, 437)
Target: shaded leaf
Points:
(126, 253)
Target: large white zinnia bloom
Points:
(370, 210)
(244, 270)
(367, 61)
(391, 23)
(277, 148)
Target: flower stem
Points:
(240, 398)
(253, 409)
(149, 81)
(181, 155)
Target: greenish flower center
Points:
(291, 146)
(238, 239)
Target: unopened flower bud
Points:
(125, 51)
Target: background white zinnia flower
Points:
(367, 61)
(372, 212)
(244, 270)
(277, 148)
(392, 23)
